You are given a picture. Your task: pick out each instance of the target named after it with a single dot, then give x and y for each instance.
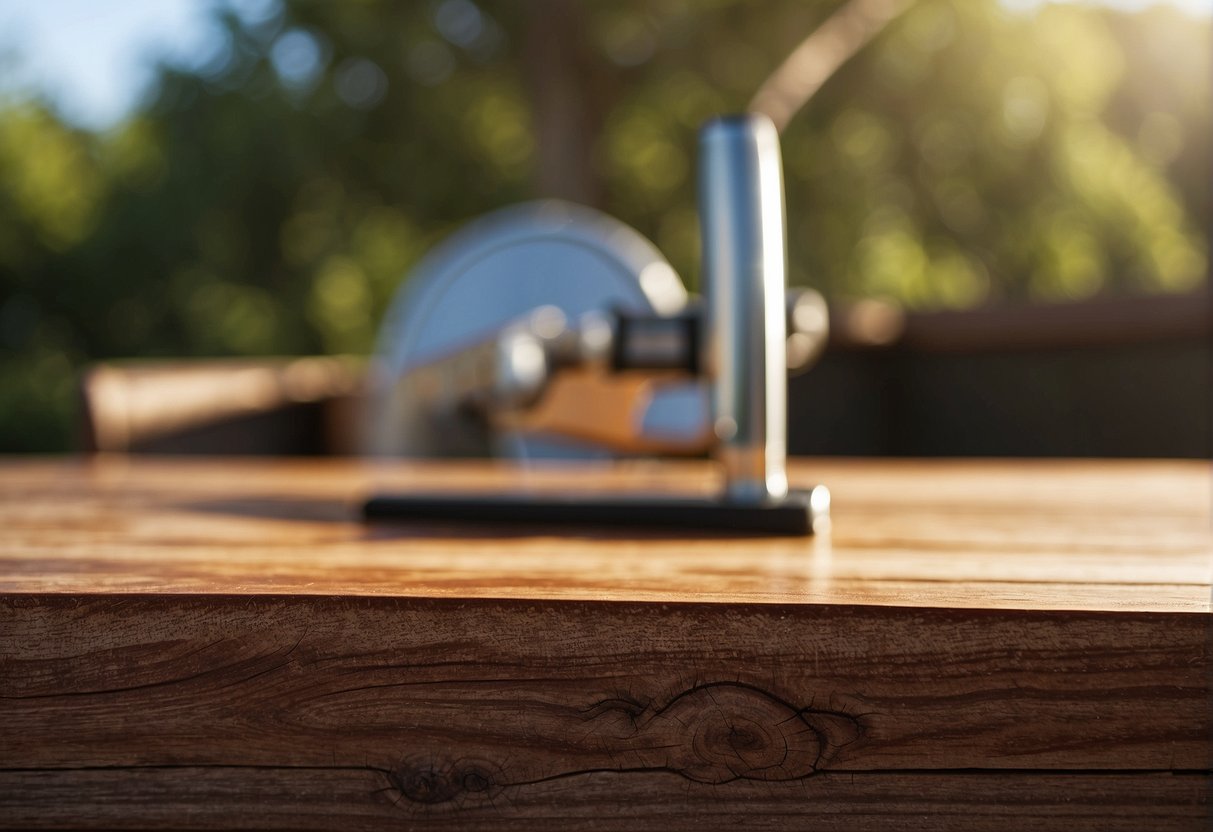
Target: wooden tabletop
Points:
(1036, 535)
(972, 645)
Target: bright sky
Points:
(94, 58)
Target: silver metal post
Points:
(744, 277)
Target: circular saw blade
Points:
(490, 273)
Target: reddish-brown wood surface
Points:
(1033, 535)
(972, 645)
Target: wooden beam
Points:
(482, 705)
(362, 798)
(972, 645)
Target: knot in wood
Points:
(431, 782)
(721, 732)
(428, 786)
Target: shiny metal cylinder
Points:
(744, 277)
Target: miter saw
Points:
(551, 330)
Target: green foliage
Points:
(966, 161)
(271, 201)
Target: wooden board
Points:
(1114, 536)
(974, 645)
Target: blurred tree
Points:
(270, 201)
(50, 191)
(1161, 105)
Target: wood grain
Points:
(459, 703)
(974, 645)
(361, 798)
(972, 534)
